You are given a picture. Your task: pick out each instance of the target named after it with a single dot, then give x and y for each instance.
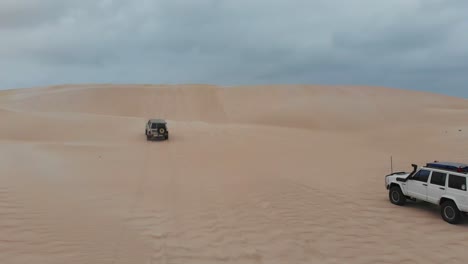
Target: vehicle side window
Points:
(422, 176)
(457, 182)
(438, 178)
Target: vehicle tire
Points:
(148, 137)
(396, 196)
(167, 137)
(450, 213)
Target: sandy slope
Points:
(250, 175)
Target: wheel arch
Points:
(448, 198)
(394, 184)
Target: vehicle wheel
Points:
(450, 212)
(148, 137)
(167, 137)
(396, 196)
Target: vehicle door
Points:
(456, 188)
(417, 185)
(437, 186)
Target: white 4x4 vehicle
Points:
(440, 183)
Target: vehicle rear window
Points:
(154, 125)
(422, 176)
(438, 178)
(457, 182)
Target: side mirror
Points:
(463, 187)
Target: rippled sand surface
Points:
(249, 175)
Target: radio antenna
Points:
(391, 164)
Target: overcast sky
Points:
(407, 44)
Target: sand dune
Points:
(250, 175)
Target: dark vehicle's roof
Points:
(159, 121)
(451, 166)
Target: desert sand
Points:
(272, 174)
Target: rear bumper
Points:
(158, 135)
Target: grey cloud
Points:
(29, 13)
(419, 44)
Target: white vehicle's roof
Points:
(445, 171)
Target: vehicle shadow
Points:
(158, 140)
(432, 210)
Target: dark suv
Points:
(156, 128)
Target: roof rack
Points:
(449, 166)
